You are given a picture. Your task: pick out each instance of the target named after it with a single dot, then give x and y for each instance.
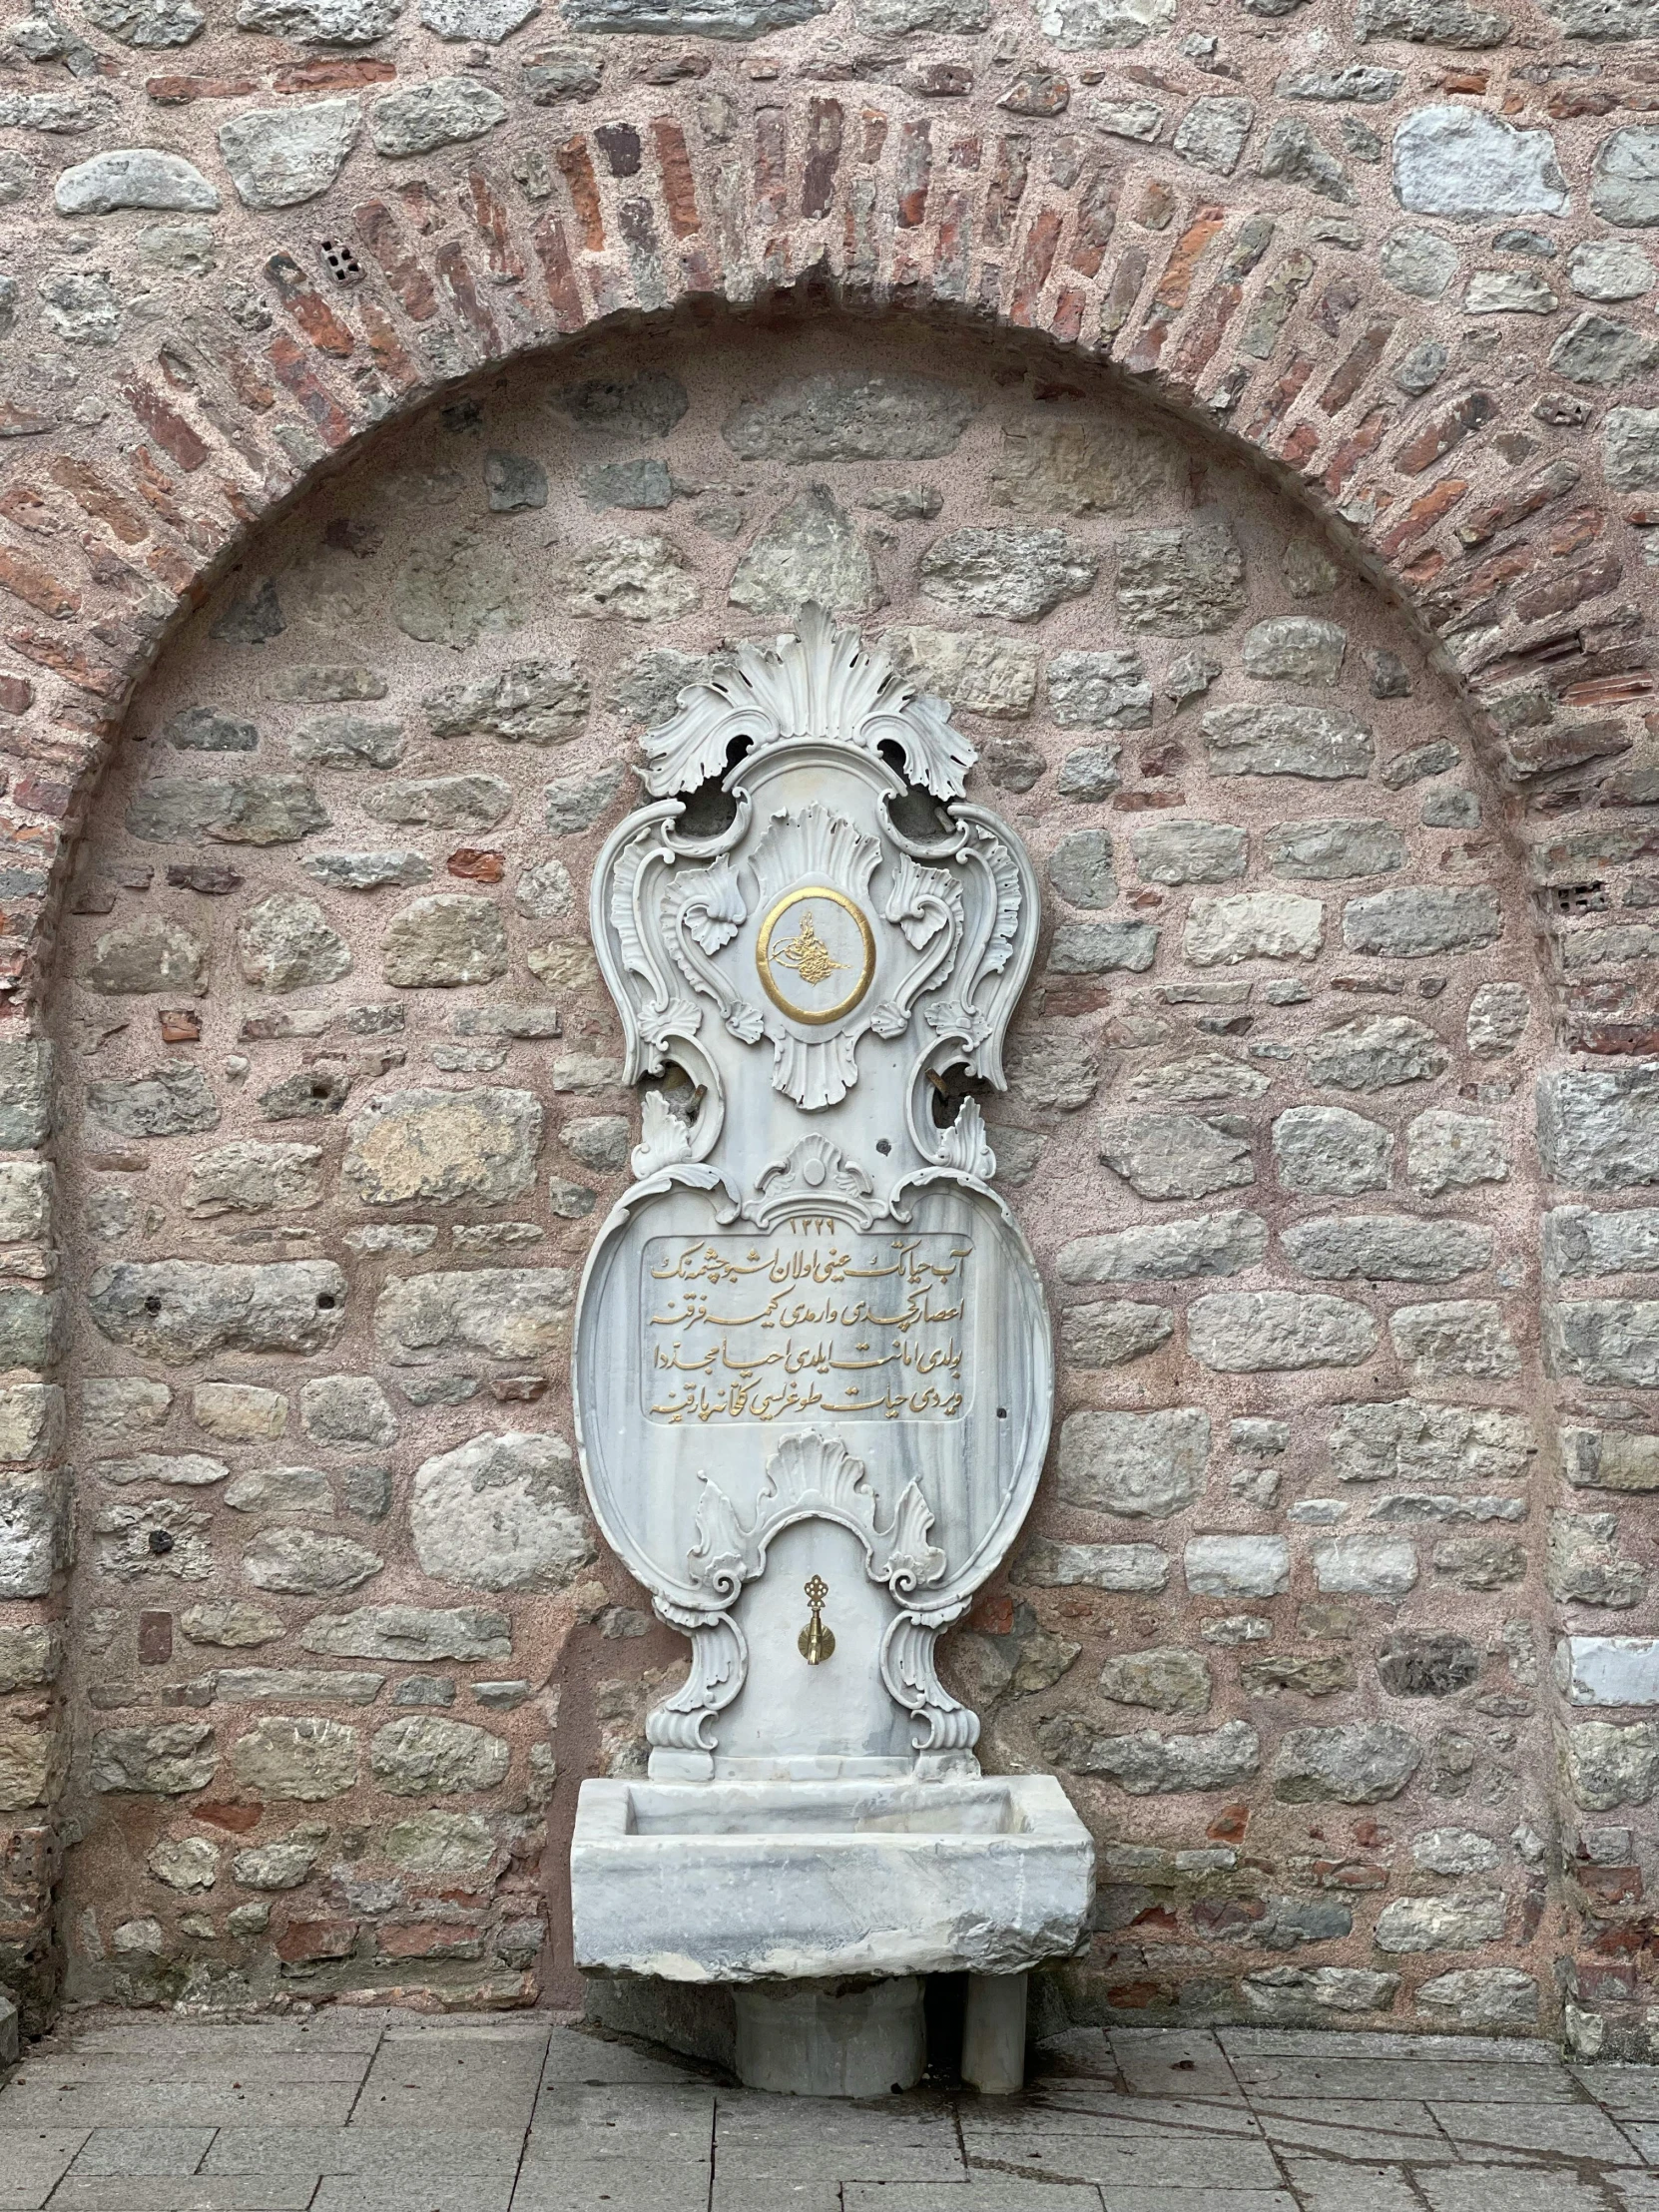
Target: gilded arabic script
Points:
(740, 1329)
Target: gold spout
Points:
(816, 1642)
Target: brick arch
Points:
(1202, 305)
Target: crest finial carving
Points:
(817, 682)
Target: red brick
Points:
(1436, 439)
(1515, 507)
(43, 795)
(679, 184)
(456, 279)
(155, 486)
(431, 1939)
(169, 430)
(558, 273)
(308, 308)
(1007, 189)
(1065, 323)
(171, 567)
(389, 354)
(1173, 286)
(179, 92)
(1042, 242)
(421, 206)
(494, 227)
(1421, 516)
(576, 166)
(239, 1820)
(477, 864)
(1610, 691)
(1297, 445)
(180, 1026)
(154, 1639)
(300, 1940)
(1576, 100)
(823, 155)
(1366, 438)
(17, 695)
(340, 73)
(1560, 593)
(872, 134)
(1575, 530)
(35, 586)
(1606, 1886)
(248, 381)
(22, 422)
(21, 504)
(1354, 372)
(771, 164)
(377, 228)
(913, 171)
(294, 368)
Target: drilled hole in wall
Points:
(340, 262)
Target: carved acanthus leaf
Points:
(813, 1476)
(665, 1138)
(821, 683)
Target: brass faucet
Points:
(816, 1642)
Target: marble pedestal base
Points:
(993, 2033)
(831, 2038)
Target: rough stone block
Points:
(1136, 1465)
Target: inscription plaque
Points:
(824, 1325)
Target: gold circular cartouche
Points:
(811, 943)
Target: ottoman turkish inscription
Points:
(812, 1361)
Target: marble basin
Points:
(774, 1882)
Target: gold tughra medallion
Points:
(811, 939)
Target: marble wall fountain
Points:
(814, 1377)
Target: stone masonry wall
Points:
(342, 1110)
(1391, 249)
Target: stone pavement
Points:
(357, 2111)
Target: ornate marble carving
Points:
(811, 1327)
